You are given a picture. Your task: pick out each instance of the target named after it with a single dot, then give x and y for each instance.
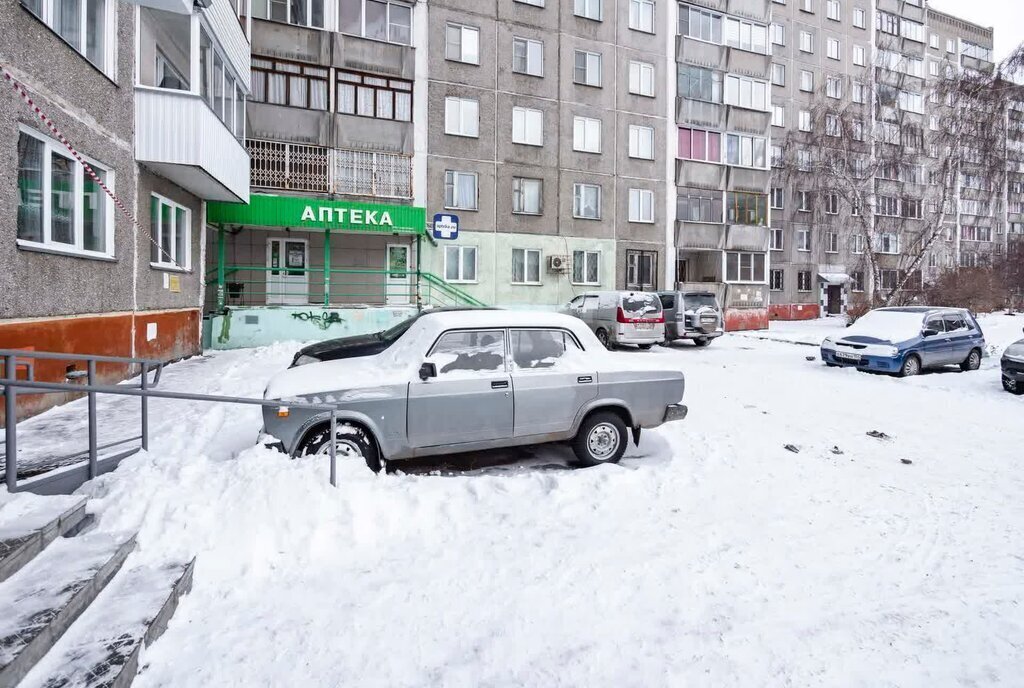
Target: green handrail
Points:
(459, 295)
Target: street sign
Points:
(446, 226)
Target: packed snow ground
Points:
(712, 556)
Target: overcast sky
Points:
(1007, 16)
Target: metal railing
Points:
(66, 480)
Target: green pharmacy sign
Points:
(264, 210)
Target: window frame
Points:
(634, 133)
(585, 3)
(638, 217)
(526, 281)
(577, 200)
(306, 72)
(588, 256)
(47, 15)
(530, 68)
(387, 22)
(776, 285)
(641, 6)
(462, 29)
(804, 281)
(462, 249)
(454, 184)
(339, 82)
(803, 240)
(588, 55)
(634, 269)
(587, 122)
(520, 195)
(528, 129)
(640, 67)
(740, 268)
(173, 264)
(809, 42)
(268, 11)
(462, 102)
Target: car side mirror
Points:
(929, 332)
(427, 371)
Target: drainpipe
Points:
(327, 268)
(419, 299)
(220, 269)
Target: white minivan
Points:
(621, 317)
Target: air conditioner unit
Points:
(558, 263)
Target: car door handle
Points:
(499, 384)
(585, 379)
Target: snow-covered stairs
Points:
(69, 616)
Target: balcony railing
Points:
(318, 169)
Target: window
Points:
(641, 15)
(833, 126)
(775, 280)
(641, 142)
(698, 205)
(586, 201)
(60, 206)
(586, 267)
(834, 87)
(587, 68)
(804, 120)
(699, 83)
(744, 267)
(745, 151)
(857, 281)
(525, 266)
(778, 34)
(803, 201)
(975, 233)
(777, 239)
(527, 56)
(462, 43)
(807, 6)
(527, 196)
(778, 115)
(933, 41)
(806, 42)
(746, 93)
(859, 18)
(803, 280)
(806, 80)
(857, 129)
(586, 134)
(535, 3)
(746, 35)
(860, 56)
(912, 30)
(366, 173)
(589, 9)
(704, 25)
(804, 160)
(459, 264)
(778, 195)
(641, 205)
(833, 49)
(950, 45)
(857, 243)
(832, 203)
(527, 126)
(776, 155)
(888, 242)
(370, 96)
(778, 74)
(540, 349)
(171, 230)
(641, 78)
(803, 240)
(912, 102)
(461, 117)
(833, 10)
(85, 25)
(298, 12)
(746, 208)
(641, 270)
(887, 23)
(889, 278)
(831, 242)
(697, 144)
(290, 83)
(381, 20)
(460, 190)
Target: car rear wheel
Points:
(972, 362)
(602, 336)
(351, 443)
(911, 366)
(701, 341)
(601, 439)
(1013, 386)
(645, 347)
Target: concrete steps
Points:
(69, 614)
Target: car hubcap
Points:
(344, 449)
(911, 366)
(603, 441)
(974, 361)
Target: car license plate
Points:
(644, 326)
(846, 356)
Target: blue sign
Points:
(446, 226)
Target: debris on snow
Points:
(878, 435)
(793, 448)
(906, 461)
(836, 450)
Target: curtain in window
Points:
(592, 267)
(297, 91)
(62, 199)
(95, 30)
(154, 229)
(30, 188)
(465, 191)
(451, 262)
(385, 104)
(347, 99)
(468, 263)
(180, 236)
(365, 99)
(68, 21)
(518, 265)
(317, 94)
(298, 8)
(351, 16)
(400, 24)
(403, 107)
(94, 206)
(376, 20)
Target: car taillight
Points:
(620, 316)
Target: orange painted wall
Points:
(104, 335)
(794, 311)
(746, 319)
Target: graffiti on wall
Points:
(323, 320)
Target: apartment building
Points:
(547, 136)
(723, 116)
(151, 95)
(854, 81)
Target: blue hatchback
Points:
(905, 341)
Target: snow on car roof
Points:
(499, 318)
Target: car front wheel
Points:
(602, 336)
(911, 366)
(351, 443)
(601, 439)
(972, 362)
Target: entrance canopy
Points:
(834, 278)
(266, 210)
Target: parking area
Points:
(803, 526)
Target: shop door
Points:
(398, 283)
(287, 274)
(835, 299)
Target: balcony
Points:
(703, 175)
(317, 169)
(976, 63)
(179, 137)
(747, 238)
(700, 113)
(748, 179)
(695, 52)
(748, 121)
(699, 236)
(758, 10)
(748, 63)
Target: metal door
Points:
(398, 284)
(960, 337)
(551, 378)
(470, 400)
(935, 349)
(287, 273)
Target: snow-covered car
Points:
(358, 345)
(905, 341)
(1012, 365)
(621, 317)
(693, 315)
(466, 381)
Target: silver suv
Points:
(692, 315)
(476, 380)
(621, 317)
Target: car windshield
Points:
(695, 301)
(1016, 350)
(393, 333)
(639, 305)
(892, 326)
